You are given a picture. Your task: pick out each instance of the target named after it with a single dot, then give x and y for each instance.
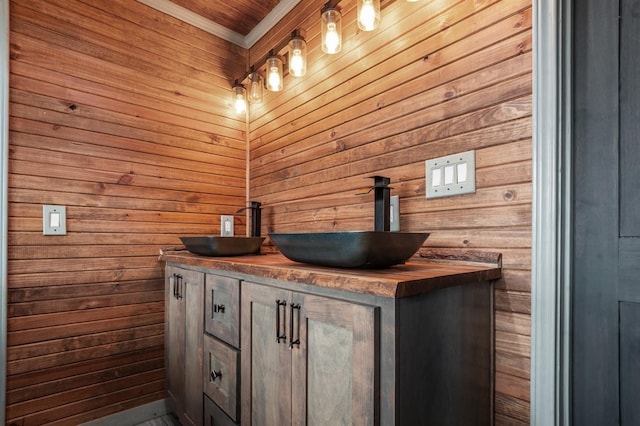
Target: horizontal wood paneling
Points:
(434, 79)
(121, 114)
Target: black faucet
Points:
(256, 213)
(382, 207)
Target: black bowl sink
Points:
(357, 249)
(223, 246)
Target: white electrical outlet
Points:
(451, 175)
(226, 226)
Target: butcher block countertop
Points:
(398, 281)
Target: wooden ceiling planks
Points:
(240, 16)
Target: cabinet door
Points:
(333, 364)
(194, 337)
(185, 332)
(265, 359)
(222, 308)
(174, 339)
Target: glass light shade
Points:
(254, 95)
(368, 14)
(331, 30)
(275, 74)
(239, 102)
(297, 57)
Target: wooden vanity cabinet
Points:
(306, 359)
(270, 346)
(184, 333)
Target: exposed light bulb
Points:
(297, 55)
(275, 82)
(255, 88)
(239, 102)
(332, 39)
(331, 30)
(367, 17)
(297, 64)
(274, 73)
(240, 105)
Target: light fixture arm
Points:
(280, 49)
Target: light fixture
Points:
(368, 14)
(268, 70)
(254, 95)
(275, 73)
(331, 23)
(297, 55)
(239, 103)
(412, 1)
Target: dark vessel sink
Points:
(358, 249)
(222, 246)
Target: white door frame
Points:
(551, 252)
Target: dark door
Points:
(605, 368)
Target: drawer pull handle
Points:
(292, 341)
(218, 308)
(216, 375)
(281, 335)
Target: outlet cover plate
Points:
(226, 226)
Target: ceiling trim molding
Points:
(196, 20)
(269, 21)
(185, 15)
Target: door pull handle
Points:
(281, 335)
(296, 341)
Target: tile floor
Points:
(166, 420)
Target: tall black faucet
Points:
(382, 205)
(256, 213)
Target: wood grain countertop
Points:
(398, 281)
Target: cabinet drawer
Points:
(214, 416)
(222, 308)
(220, 375)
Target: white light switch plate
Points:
(451, 175)
(54, 220)
(394, 214)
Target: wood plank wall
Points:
(121, 114)
(435, 78)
